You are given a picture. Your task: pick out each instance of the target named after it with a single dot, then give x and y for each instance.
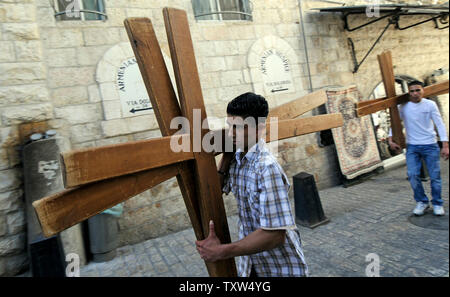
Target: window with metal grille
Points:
(222, 10)
(85, 10)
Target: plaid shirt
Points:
(261, 190)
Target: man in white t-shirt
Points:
(418, 116)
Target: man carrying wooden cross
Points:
(418, 116)
(269, 242)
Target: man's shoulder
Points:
(267, 164)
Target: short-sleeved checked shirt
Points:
(261, 189)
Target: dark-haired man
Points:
(269, 242)
(418, 116)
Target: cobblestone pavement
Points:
(371, 217)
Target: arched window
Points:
(84, 10)
(222, 10)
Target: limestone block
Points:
(226, 48)
(4, 160)
(28, 51)
(14, 264)
(45, 17)
(79, 114)
(216, 32)
(21, 73)
(205, 49)
(3, 230)
(27, 113)
(85, 132)
(142, 123)
(266, 16)
(232, 78)
(113, 140)
(213, 64)
(16, 222)
(94, 93)
(288, 30)
(9, 136)
(90, 55)
(62, 37)
(289, 15)
(11, 201)
(112, 109)
(209, 96)
(17, 12)
(115, 128)
(7, 50)
(61, 57)
(12, 244)
(70, 76)
(245, 31)
(244, 46)
(264, 30)
(235, 62)
(69, 96)
(147, 135)
(106, 72)
(42, 3)
(23, 94)
(99, 36)
(210, 80)
(116, 54)
(138, 12)
(138, 201)
(20, 31)
(226, 94)
(116, 16)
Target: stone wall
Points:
(57, 71)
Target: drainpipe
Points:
(305, 45)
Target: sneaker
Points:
(420, 208)
(438, 210)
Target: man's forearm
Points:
(256, 242)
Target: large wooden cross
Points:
(392, 100)
(99, 178)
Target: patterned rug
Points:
(356, 144)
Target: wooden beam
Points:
(70, 207)
(297, 127)
(379, 104)
(299, 106)
(88, 165)
(370, 102)
(164, 102)
(191, 101)
(387, 73)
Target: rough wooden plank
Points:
(88, 165)
(296, 127)
(191, 101)
(299, 106)
(70, 207)
(387, 73)
(164, 101)
(379, 104)
(370, 102)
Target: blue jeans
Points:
(430, 153)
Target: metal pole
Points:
(305, 45)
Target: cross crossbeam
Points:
(371, 106)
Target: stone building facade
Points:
(65, 73)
